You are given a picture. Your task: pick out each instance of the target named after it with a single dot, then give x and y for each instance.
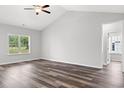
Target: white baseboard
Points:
(73, 63)
(18, 61)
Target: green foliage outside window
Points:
(18, 44)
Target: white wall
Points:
(76, 38)
(35, 44)
(123, 48)
(109, 28)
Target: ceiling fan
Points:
(39, 8)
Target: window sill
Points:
(19, 54)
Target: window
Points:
(19, 44)
(116, 44)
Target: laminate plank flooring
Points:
(49, 74)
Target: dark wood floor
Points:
(41, 73)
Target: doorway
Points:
(114, 51)
(112, 43)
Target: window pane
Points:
(116, 44)
(13, 44)
(24, 44)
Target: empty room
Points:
(61, 46)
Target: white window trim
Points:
(29, 44)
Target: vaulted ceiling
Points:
(96, 8)
(16, 15)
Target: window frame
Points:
(19, 44)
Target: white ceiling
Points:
(96, 8)
(16, 15)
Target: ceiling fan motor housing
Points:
(38, 9)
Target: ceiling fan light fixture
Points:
(38, 9)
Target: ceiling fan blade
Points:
(45, 6)
(28, 8)
(46, 11)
